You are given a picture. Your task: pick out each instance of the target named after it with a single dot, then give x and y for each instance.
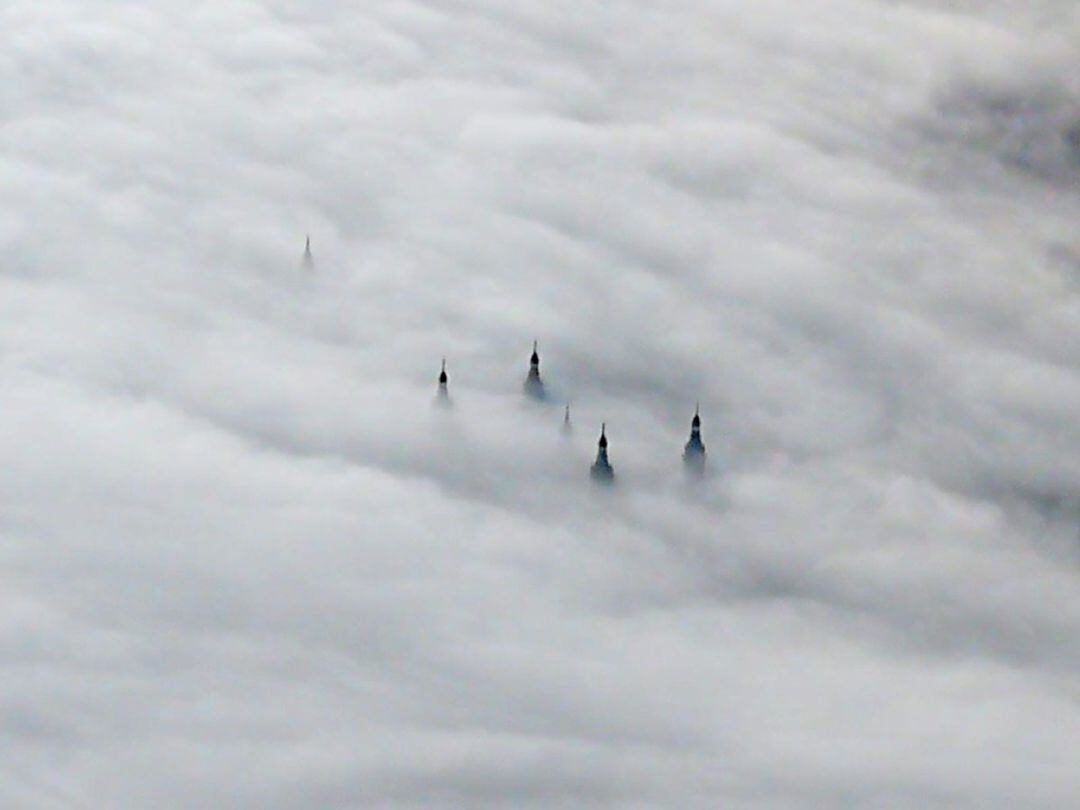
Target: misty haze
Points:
(497, 404)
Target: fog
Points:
(247, 561)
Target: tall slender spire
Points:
(534, 385)
(443, 380)
(694, 452)
(309, 260)
(567, 426)
(601, 470)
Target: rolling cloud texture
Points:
(244, 562)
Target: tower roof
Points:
(442, 374)
(603, 436)
(535, 359)
(696, 421)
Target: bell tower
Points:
(309, 260)
(694, 452)
(602, 471)
(443, 380)
(534, 386)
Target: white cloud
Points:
(244, 561)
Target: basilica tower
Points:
(694, 452)
(309, 260)
(534, 386)
(602, 471)
(444, 393)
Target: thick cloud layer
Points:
(245, 563)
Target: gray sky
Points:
(245, 563)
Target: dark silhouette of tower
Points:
(444, 394)
(567, 426)
(602, 471)
(309, 260)
(694, 452)
(534, 386)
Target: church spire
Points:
(309, 260)
(602, 471)
(567, 426)
(694, 452)
(534, 386)
(443, 380)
